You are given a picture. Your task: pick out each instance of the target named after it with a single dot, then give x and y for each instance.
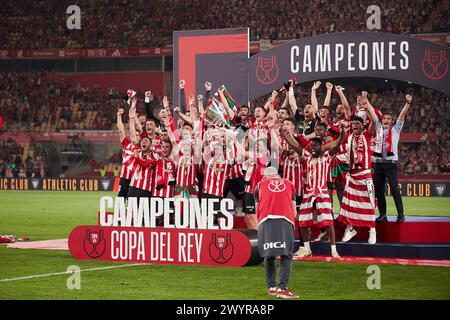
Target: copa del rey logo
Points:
(267, 70)
(94, 243)
(435, 64)
(221, 248)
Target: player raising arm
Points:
(386, 158)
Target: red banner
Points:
(228, 248)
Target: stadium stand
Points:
(150, 23)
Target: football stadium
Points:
(210, 150)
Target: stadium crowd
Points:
(28, 100)
(30, 24)
(35, 101)
(13, 165)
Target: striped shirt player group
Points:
(312, 149)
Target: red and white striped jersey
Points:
(303, 142)
(359, 151)
(129, 164)
(254, 172)
(142, 177)
(318, 173)
(186, 172)
(259, 130)
(293, 171)
(344, 122)
(236, 168)
(163, 178)
(215, 174)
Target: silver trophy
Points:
(216, 115)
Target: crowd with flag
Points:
(212, 147)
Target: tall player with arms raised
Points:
(129, 145)
(358, 203)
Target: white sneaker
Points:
(348, 235)
(272, 291)
(372, 237)
(321, 236)
(335, 254)
(303, 253)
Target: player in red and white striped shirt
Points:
(186, 176)
(290, 161)
(235, 182)
(358, 203)
(217, 170)
(291, 167)
(129, 145)
(141, 181)
(258, 129)
(257, 161)
(316, 202)
(164, 172)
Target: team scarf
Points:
(357, 146)
(378, 148)
(164, 172)
(254, 168)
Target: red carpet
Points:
(56, 244)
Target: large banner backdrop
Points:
(351, 54)
(220, 56)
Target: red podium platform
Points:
(413, 230)
(416, 238)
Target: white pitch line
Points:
(70, 272)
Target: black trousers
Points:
(382, 172)
(124, 187)
(138, 193)
(271, 271)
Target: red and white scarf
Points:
(358, 152)
(378, 148)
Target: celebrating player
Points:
(358, 203)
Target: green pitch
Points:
(52, 215)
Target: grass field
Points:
(52, 215)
